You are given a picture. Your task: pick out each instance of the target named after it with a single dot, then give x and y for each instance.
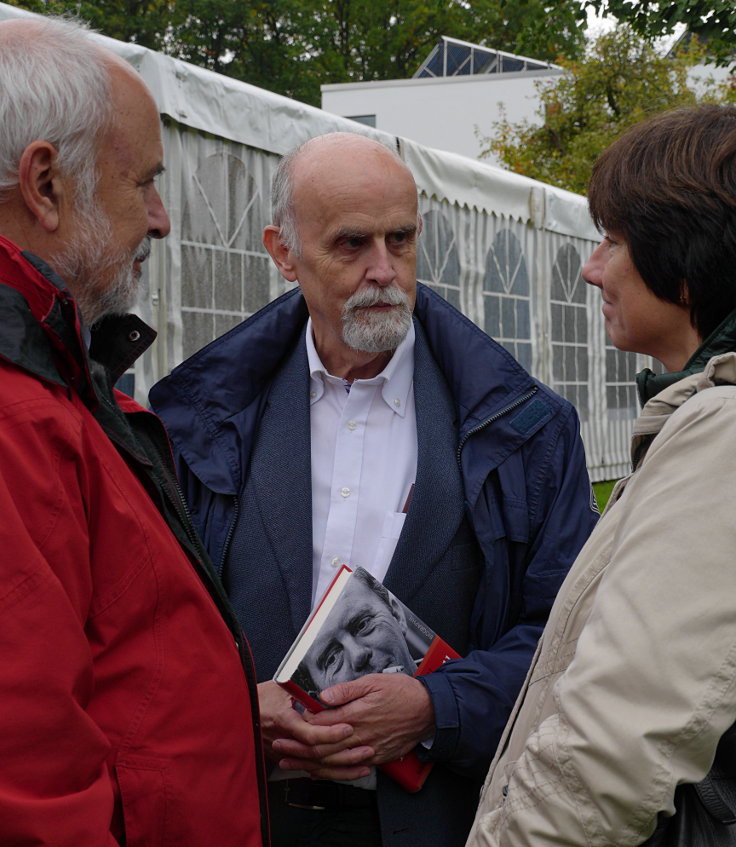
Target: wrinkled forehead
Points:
(376, 194)
(347, 164)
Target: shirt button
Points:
(352, 425)
(312, 394)
(397, 402)
(345, 492)
(335, 561)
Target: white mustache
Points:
(144, 249)
(392, 295)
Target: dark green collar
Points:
(721, 340)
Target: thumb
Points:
(345, 692)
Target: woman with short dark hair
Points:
(634, 682)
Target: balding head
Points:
(336, 151)
(347, 228)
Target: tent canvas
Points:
(505, 249)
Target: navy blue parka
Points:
(527, 497)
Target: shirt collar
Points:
(396, 378)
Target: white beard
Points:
(376, 332)
(103, 280)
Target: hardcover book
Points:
(360, 627)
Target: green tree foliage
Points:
(621, 81)
(130, 20)
(713, 22)
(293, 46)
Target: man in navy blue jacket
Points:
(362, 419)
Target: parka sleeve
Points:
(652, 684)
(531, 518)
(54, 782)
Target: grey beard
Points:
(103, 281)
(376, 332)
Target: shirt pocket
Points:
(393, 523)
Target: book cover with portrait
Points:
(360, 627)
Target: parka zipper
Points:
(494, 417)
(229, 537)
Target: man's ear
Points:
(281, 255)
(40, 185)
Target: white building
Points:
(452, 101)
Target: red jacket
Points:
(125, 712)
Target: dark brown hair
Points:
(668, 188)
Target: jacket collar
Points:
(210, 402)
(721, 340)
(719, 370)
(41, 330)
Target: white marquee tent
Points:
(505, 249)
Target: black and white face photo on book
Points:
(365, 632)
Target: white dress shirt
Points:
(364, 463)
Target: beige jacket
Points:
(634, 680)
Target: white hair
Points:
(55, 87)
(282, 202)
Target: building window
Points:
(620, 388)
(438, 260)
(367, 120)
(506, 301)
(570, 330)
(225, 270)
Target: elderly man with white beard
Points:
(128, 703)
(361, 419)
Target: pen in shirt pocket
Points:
(408, 499)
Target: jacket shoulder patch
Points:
(530, 416)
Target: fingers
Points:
(279, 720)
(375, 719)
(308, 736)
(338, 754)
(390, 713)
(346, 692)
(344, 764)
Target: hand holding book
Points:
(287, 733)
(390, 713)
(355, 656)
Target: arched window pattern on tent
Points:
(225, 269)
(506, 299)
(438, 260)
(570, 330)
(621, 370)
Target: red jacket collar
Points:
(39, 291)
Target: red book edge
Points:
(410, 771)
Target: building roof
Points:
(452, 57)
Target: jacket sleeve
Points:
(54, 782)
(652, 685)
(531, 518)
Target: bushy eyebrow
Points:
(347, 234)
